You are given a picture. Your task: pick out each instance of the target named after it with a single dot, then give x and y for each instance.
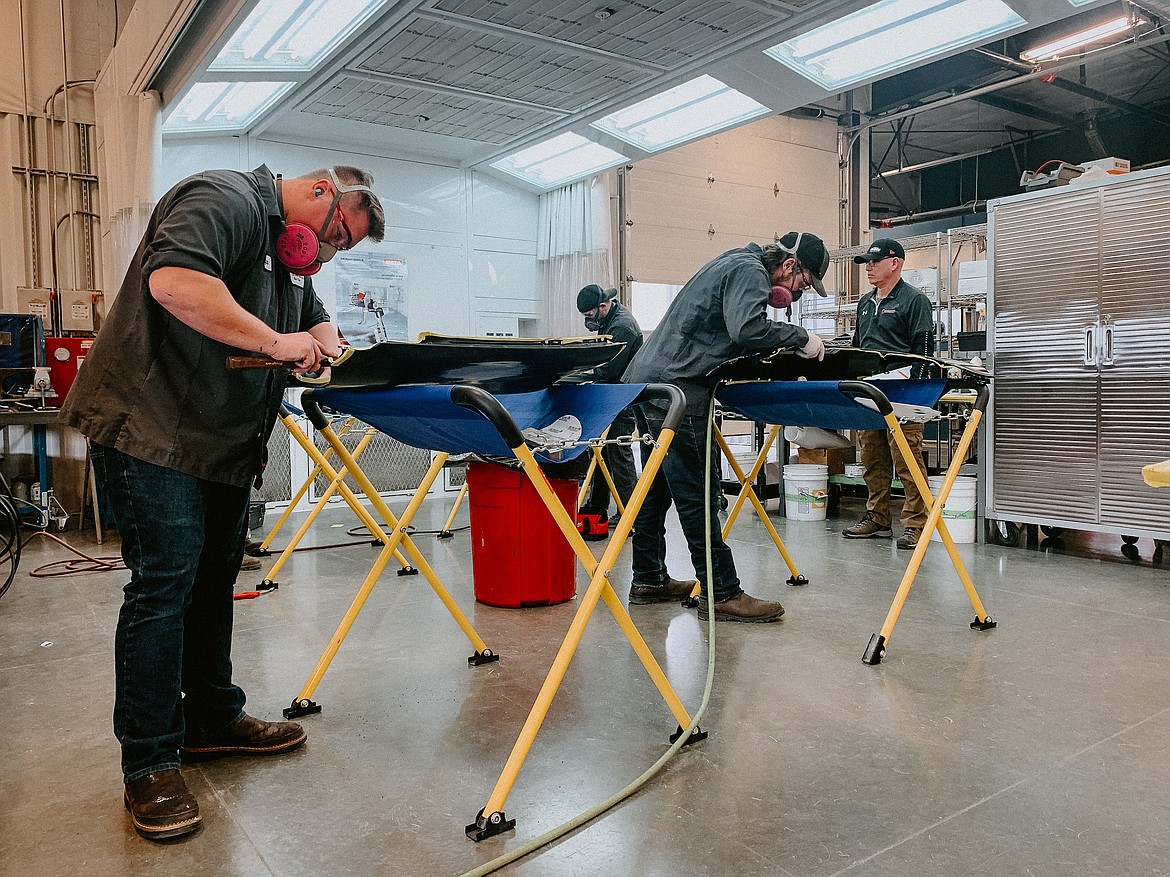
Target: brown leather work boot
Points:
(867, 528)
(909, 538)
(672, 589)
(161, 807)
(249, 736)
(745, 608)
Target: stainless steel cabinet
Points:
(1080, 311)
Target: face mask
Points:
(299, 248)
(593, 324)
(781, 297)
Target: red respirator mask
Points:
(298, 247)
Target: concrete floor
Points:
(1038, 748)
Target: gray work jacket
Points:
(721, 314)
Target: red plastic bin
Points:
(519, 557)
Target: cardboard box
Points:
(972, 286)
(834, 458)
(1110, 165)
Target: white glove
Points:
(815, 349)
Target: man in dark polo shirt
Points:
(177, 440)
(897, 318)
(605, 315)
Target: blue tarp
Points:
(821, 403)
(424, 416)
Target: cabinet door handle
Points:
(1107, 347)
(1090, 345)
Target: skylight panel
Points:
(285, 35)
(223, 106)
(563, 159)
(694, 109)
(891, 35)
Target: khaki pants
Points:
(880, 457)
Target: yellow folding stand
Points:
(595, 463)
(303, 704)
(336, 484)
(446, 532)
(876, 649)
(491, 820)
(747, 492)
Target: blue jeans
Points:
(182, 540)
(681, 479)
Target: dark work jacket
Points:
(621, 326)
(721, 314)
(156, 389)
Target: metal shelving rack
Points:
(943, 243)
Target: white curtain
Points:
(131, 128)
(574, 249)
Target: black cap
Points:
(881, 249)
(810, 251)
(590, 297)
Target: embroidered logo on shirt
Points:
(297, 280)
(267, 263)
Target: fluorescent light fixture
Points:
(891, 35)
(1070, 44)
(563, 159)
(693, 109)
(284, 35)
(223, 106)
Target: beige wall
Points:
(674, 202)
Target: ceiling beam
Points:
(1081, 90)
(1028, 110)
(1044, 70)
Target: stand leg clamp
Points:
(408, 571)
(489, 826)
(484, 657)
(268, 585)
(985, 624)
(302, 707)
(696, 735)
(876, 650)
(257, 552)
(444, 534)
(691, 602)
(797, 580)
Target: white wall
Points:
(469, 241)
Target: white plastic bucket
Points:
(959, 509)
(806, 491)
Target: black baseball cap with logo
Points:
(881, 249)
(810, 251)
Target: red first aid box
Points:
(519, 557)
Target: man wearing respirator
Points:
(719, 315)
(177, 440)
